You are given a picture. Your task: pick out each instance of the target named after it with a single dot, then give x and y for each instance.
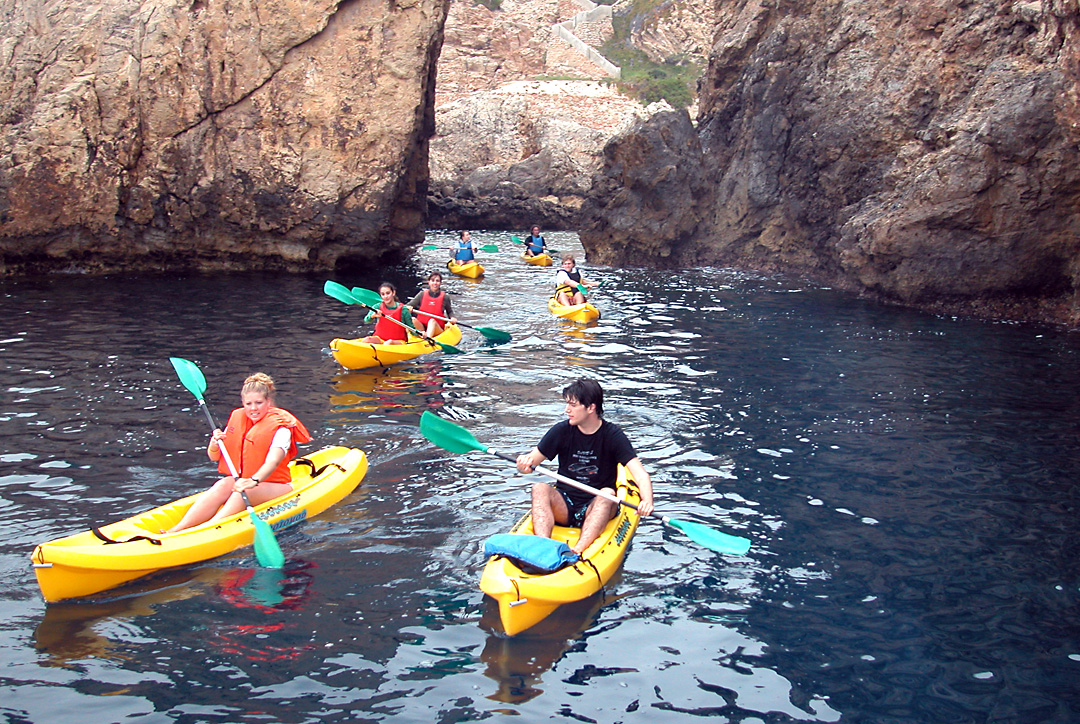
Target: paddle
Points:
(267, 551)
(517, 240)
(341, 293)
(489, 248)
(457, 439)
(495, 335)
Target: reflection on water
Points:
(518, 664)
(398, 390)
(908, 483)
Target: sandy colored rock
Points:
(252, 133)
(925, 154)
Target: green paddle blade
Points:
(339, 292)
(489, 248)
(447, 435)
(714, 540)
(428, 247)
(516, 239)
(495, 335)
(267, 551)
(191, 377)
(366, 296)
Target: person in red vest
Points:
(389, 312)
(433, 300)
(261, 439)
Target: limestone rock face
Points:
(523, 154)
(157, 132)
(924, 153)
(676, 29)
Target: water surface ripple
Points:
(908, 481)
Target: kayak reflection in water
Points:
(589, 450)
(260, 440)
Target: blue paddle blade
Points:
(267, 551)
(191, 377)
(714, 540)
(447, 435)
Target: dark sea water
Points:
(909, 483)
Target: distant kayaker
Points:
(567, 280)
(589, 450)
(390, 310)
(261, 440)
(535, 243)
(464, 250)
(433, 300)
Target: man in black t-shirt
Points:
(589, 450)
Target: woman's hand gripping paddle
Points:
(267, 551)
(457, 439)
(366, 296)
(341, 293)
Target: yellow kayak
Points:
(355, 355)
(538, 259)
(526, 599)
(575, 312)
(470, 269)
(83, 564)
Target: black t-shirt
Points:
(590, 459)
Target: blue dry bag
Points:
(531, 553)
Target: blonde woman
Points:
(261, 440)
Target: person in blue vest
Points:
(464, 250)
(432, 300)
(589, 450)
(534, 243)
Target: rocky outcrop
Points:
(922, 153)
(523, 154)
(511, 150)
(252, 133)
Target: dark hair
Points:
(434, 275)
(389, 286)
(462, 233)
(586, 392)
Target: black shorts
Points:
(577, 512)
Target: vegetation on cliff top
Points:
(674, 80)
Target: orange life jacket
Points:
(249, 443)
(387, 330)
(431, 305)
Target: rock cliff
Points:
(251, 133)
(518, 140)
(922, 153)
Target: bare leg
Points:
(579, 298)
(433, 328)
(599, 512)
(206, 504)
(548, 507)
(564, 299)
(259, 494)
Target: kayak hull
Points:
(525, 599)
(82, 564)
(575, 312)
(538, 259)
(354, 354)
(470, 269)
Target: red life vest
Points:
(249, 443)
(431, 305)
(387, 330)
